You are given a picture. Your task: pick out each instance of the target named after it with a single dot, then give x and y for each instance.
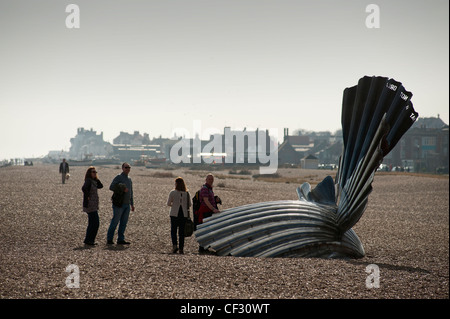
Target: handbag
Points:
(188, 227)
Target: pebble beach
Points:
(404, 230)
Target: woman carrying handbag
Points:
(179, 202)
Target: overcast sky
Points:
(154, 66)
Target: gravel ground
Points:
(405, 232)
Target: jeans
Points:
(92, 228)
(177, 223)
(202, 213)
(120, 215)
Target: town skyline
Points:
(191, 134)
(206, 135)
(423, 148)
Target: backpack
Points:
(118, 195)
(196, 201)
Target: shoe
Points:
(123, 242)
(90, 243)
(174, 249)
(109, 242)
(181, 252)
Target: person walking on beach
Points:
(123, 202)
(208, 205)
(63, 170)
(90, 204)
(179, 202)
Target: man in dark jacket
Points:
(123, 202)
(63, 170)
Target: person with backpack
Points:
(179, 202)
(207, 203)
(123, 203)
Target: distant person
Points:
(64, 170)
(179, 202)
(90, 204)
(208, 203)
(122, 204)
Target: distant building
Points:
(301, 144)
(132, 139)
(429, 122)
(231, 147)
(423, 148)
(87, 144)
(132, 153)
(330, 154)
(309, 162)
(287, 154)
(137, 147)
(294, 148)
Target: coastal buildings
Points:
(424, 148)
(305, 149)
(87, 145)
(135, 148)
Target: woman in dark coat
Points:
(90, 204)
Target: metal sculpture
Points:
(375, 115)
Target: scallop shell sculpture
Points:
(375, 114)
